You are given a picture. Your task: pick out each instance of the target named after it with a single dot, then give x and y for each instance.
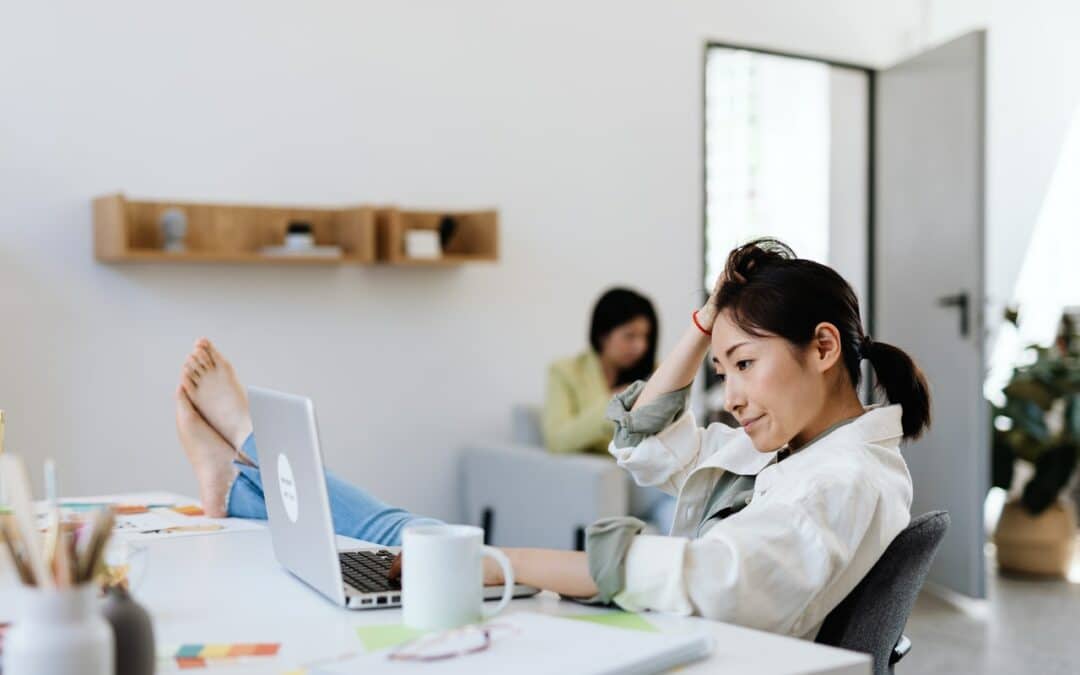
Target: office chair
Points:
(872, 617)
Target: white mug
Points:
(442, 576)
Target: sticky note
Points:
(188, 651)
(130, 509)
(267, 649)
(626, 620)
(242, 650)
(214, 651)
(186, 664)
(382, 636)
(189, 510)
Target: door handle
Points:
(962, 302)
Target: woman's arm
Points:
(682, 364)
(565, 572)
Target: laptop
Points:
(298, 509)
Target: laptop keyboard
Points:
(366, 571)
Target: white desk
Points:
(229, 588)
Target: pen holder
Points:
(58, 632)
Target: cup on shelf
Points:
(299, 236)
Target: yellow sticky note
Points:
(214, 651)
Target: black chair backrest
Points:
(871, 618)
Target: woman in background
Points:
(622, 339)
(622, 349)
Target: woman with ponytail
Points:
(779, 519)
(776, 520)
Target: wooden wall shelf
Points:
(129, 231)
(475, 240)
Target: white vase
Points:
(58, 632)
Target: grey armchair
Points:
(523, 495)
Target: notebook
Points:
(530, 643)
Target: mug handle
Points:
(508, 579)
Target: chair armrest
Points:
(537, 498)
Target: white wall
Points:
(580, 121)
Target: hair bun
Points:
(745, 260)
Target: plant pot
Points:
(1041, 545)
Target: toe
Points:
(205, 357)
(189, 378)
(200, 360)
(185, 378)
(215, 354)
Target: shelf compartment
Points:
(475, 240)
(129, 231)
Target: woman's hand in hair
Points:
(707, 313)
(680, 366)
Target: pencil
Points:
(10, 535)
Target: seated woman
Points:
(778, 519)
(622, 349)
(622, 339)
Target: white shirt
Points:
(817, 523)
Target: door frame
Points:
(871, 131)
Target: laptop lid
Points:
(294, 485)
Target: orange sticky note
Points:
(186, 664)
(267, 649)
(129, 509)
(242, 650)
(189, 510)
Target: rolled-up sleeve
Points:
(659, 443)
(759, 568)
(633, 426)
(606, 544)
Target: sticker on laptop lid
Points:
(288, 487)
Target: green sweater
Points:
(577, 397)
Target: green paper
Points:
(382, 636)
(626, 620)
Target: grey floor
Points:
(1025, 626)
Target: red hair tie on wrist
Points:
(698, 324)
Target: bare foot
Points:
(210, 455)
(214, 389)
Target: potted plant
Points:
(1039, 424)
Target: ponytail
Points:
(903, 382)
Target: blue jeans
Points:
(355, 513)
